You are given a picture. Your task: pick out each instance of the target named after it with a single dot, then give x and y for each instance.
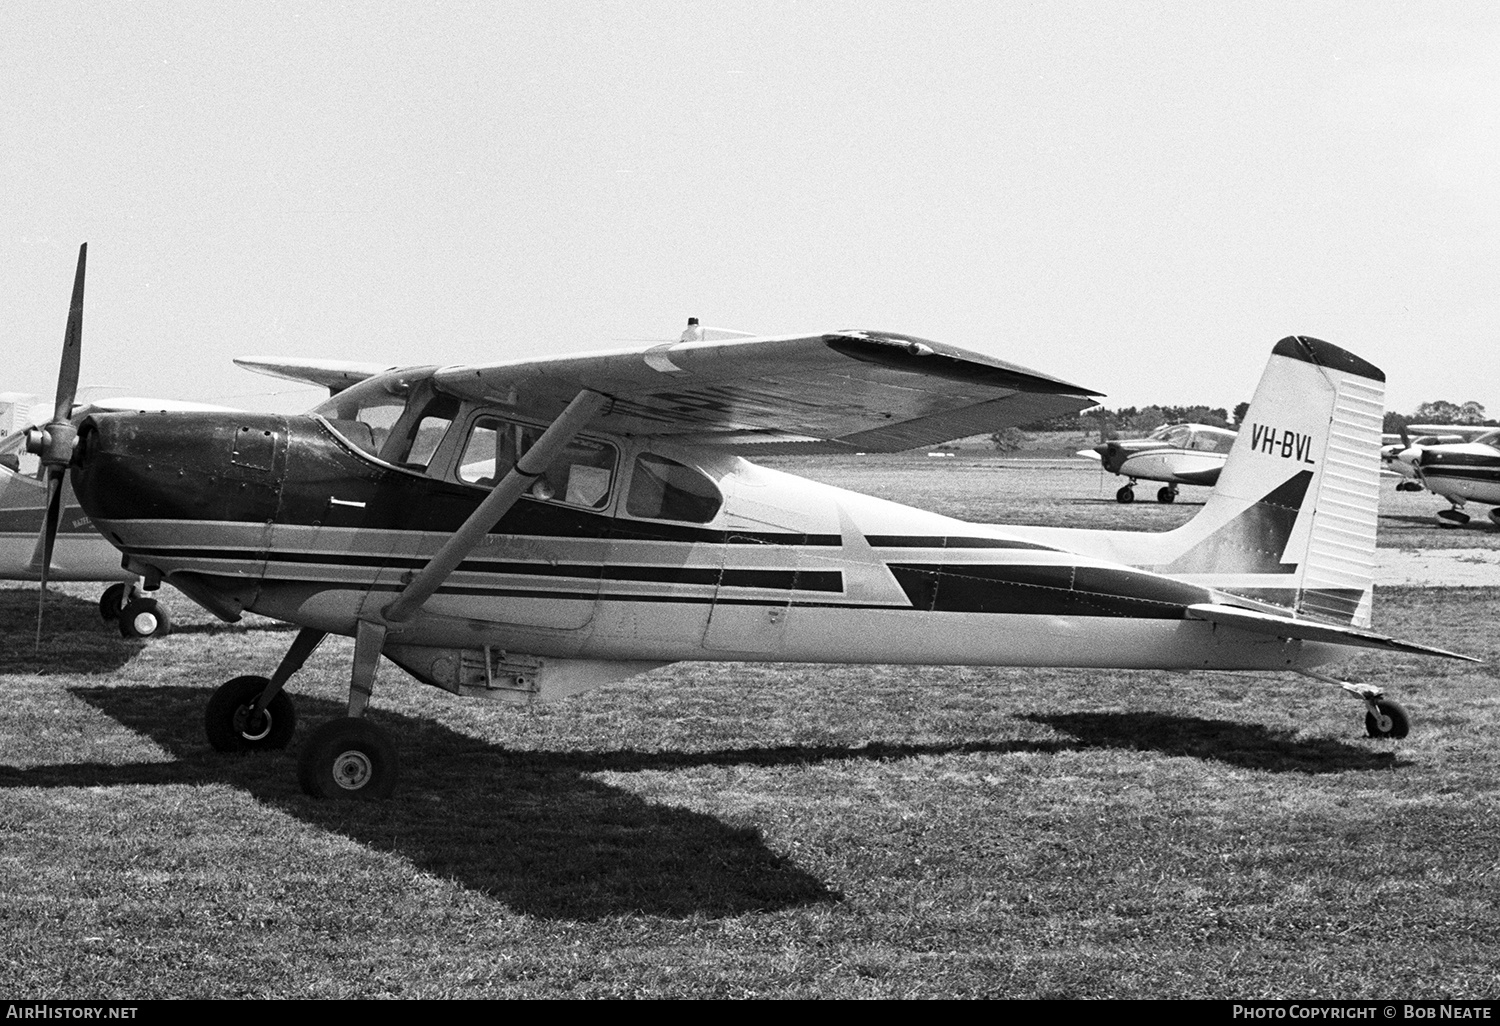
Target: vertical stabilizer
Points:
(1291, 521)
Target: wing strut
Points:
(372, 628)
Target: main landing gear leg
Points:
(351, 757)
(1383, 717)
(252, 713)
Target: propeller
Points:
(53, 441)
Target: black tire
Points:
(1125, 494)
(110, 602)
(348, 759)
(1400, 721)
(226, 720)
(145, 618)
(1166, 495)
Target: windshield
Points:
(1490, 438)
(365, 414)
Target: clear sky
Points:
(1138, 197)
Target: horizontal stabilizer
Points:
(1307, 630)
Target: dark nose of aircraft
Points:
(178, 466)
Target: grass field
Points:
(759, 830)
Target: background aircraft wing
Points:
(334, 375)
(842, 391)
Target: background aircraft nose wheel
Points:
(111, 602)
(348, 759)
(144, 618)
(1391, 721)
(1125, 494)
(1452, 518)
(1166, 495)
(231, 728)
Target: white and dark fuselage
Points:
(285, 517)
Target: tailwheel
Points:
(1125, 494)
(144, 617)
(111, 602)
(232, 725)
(1167, 494)
(1387, 719)
(348, 759)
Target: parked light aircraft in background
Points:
(1178, 454)
(1458, 471)
(532, 529)
(1423, 436)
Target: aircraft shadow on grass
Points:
(530, 829)
(1246, 745)
(74, 638)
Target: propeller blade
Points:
(41, 558)
(45, 541)
(54, 442)
(67, 371)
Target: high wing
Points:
(843, 391)
(334, 375)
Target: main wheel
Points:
(144, 618)
(348, 758)
(110, 603)
(1125, 494)
(230, 727)
(1395, 713)
(1166, 495)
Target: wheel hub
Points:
(251, 727)
(352, 770)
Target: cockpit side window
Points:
(663, 489)
(581, 476)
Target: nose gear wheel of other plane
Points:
(348, 758)
(1125, 494)
(111, 602)
(232, 726)
(1167, 494)
(144, 618)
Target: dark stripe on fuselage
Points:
(913, 541)
(730, 577)
(1044, 590)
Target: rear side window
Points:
(663, 489)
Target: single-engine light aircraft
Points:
(1427, 435)
(1458, 471)
(532, 529)
(1177, 454)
